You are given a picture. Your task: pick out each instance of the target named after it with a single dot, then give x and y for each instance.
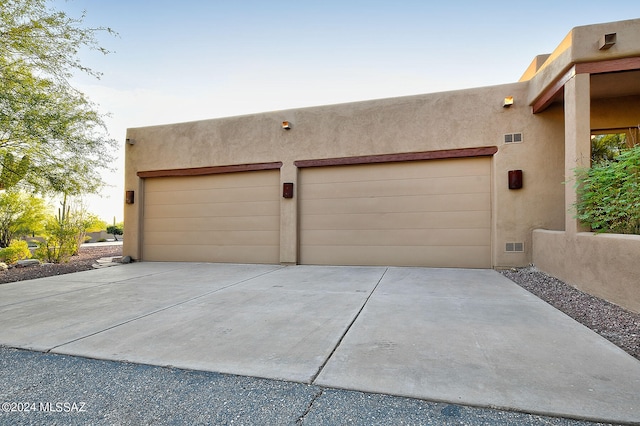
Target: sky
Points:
(187, 60)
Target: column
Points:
(289, 216)
(577, 142)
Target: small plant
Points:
(64, 233)
(609, 194)
(87, 239)
(17, 250)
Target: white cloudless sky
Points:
(187, 60)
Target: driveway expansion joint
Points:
(355, 317)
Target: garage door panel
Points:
(213, 238)
(423, 213)
(421, 220)
(390, 171)
(185, 210)
(247, 223)
(399, 237)
(232, 217)
(397, 187)
(205, 253)
(434, 203)
(229, 195)
(437, 257)
(221, 181)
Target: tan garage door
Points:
(231, 217)
(424, 213)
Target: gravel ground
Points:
(86, 257)
(612, 322)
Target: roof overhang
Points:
(616, 77)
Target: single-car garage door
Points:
(420, 213)
(230, 217)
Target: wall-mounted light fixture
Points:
(128, 197)
(287, 190)
(286, 125)
(130, 141)
(606, 41)
(515, 179)
(508, 101)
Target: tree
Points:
(93, 223)
(607, 147)
(20, 214)
(51, 136)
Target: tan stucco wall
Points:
(605, 265)
(430, 122)
(581, 45)
(459, 119)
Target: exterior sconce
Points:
(286, 125)
(128, 197)
(606, 41)
(515, 179)
(130, 141)
(287, 190)
(508, 101)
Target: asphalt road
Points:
(41, 388)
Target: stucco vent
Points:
(514, 247)
(606, 41)
(513, 138)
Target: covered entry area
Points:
(424, 212)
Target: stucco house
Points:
(478, 178)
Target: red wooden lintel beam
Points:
(600, 67)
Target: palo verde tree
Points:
(52, 138)
(20, 214)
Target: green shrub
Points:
(55, 250)
(64, 233)
(87, 238)
(609, 194)
(115, 230)
(17, 250)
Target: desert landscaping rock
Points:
(27, 262)
(83, 261)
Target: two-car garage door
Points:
(419, 213)
(413, 213)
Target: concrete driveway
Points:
(461, 336)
